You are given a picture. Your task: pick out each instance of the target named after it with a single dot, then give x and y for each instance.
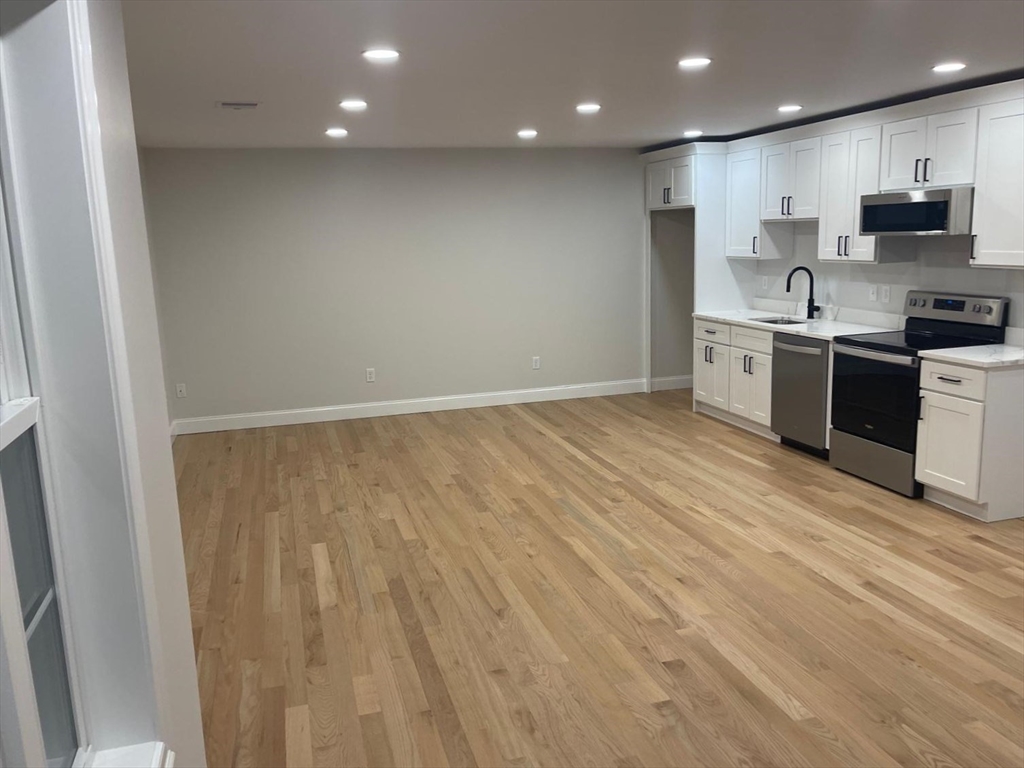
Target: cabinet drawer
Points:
(953, 380)
(755, 341)
(709, 331)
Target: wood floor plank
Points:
(609, 582)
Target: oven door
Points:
(875, 396)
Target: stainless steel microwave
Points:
(918, 212)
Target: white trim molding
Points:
(150, 754)
(662, 383)
(397, 407)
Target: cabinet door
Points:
(739, 383)
(865, 147)
(949, 444)
(760, 367)
(835, 219)
(680, 180)
(999, 193)
(951, 145)
(775, 185)
(804, 178)
(903, 153)
(720, 373)
(742, 188)
(703, 376)
(657, 185)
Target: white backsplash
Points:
(843, 289)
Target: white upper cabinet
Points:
(934, 151)
(658, 185)
(680, 181)
(952, 142)
(865, 151)
(835, 221)
(849, 170)
(790, 180)
(670, 183)
(774, 182)
(742, 184)
(999, 192)
(805, 165)
(903, 153)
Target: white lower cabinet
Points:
(711, 374)
(970, 439)
(949, 443)
(750, 385)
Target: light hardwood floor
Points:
(604, 582)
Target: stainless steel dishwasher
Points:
(800, 391)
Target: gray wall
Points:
(941, 264)
(283, 274)
(672, 248)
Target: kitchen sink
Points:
(781, 321)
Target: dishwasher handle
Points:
(816, 351)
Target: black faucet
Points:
(811, 306)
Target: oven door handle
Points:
(884, 357)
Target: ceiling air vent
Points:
(238, 104)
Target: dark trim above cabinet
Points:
(892, 101)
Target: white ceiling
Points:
(473, 72)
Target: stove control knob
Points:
(913, 302)
(977, 307)
(988, 310)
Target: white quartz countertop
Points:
(816, 329)
(986, 356)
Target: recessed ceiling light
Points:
(588, 108)
(353, 105)
(692, 134)
(381, 54)
(336, 133)
(949, 66)
(527, 133)
(694, 62)
(790, 108)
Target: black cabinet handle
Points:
(949, 380)
(846, 248)
(782, 206)
(711, 354)
(753, 246)
(711, 331)
(839, 246)
(917, 170)
(974, 240)
(920, 408)
(926, 161)
(705, 353)
(789, 207)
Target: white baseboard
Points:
(671, 382)
(396, 407)
(150, 754)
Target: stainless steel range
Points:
(876, 379)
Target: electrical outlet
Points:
(371, 375)
(536, 363)
(180, 391)
(764, 283)
(886, 294)
(872, 293)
